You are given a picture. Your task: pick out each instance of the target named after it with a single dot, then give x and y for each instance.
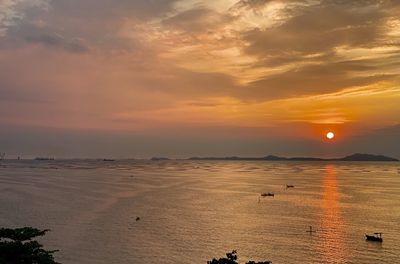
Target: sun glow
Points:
(330, 135)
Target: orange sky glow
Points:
(252, 70)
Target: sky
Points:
(182, 78)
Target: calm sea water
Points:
(192, 211)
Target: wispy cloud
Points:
(13, 11)
(54, 40)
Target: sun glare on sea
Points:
(330, 135)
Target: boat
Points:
(43, 158)
(108, 159)
(311, 231)
(289, 186)
(267, 194)
(377, 237)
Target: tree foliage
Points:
(231, 259)
(17, 247)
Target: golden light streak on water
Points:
(333, 246)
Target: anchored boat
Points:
(267, 194)
(377, 237)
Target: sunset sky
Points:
(143, 78)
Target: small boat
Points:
(311, 231)
(108, 160)
(377, 237)
(289, 186)
(43, 158)
(267, 194)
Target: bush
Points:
(17, 247)
(231, 259)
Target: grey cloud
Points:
(109, 9)
(57, 41)
(256, 4)
(318, 29)
(76, 45)
(309, 38)
(99, 21)
(314, 79)
(13, 11)
(251, 4)
(307, 80)
(28, 33)
(76, 25)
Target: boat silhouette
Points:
(44, 158)
(267, 194)
(377, 237)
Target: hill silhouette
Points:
(353, 157)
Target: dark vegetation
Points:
(18, 247)
(231, 259)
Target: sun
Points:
(330, 135)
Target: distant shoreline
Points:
(353, 157)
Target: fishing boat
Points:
(267, 194)
(377, 237)
(43, 158)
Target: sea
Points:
(193, 211)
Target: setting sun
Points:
(330, 135)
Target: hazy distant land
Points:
(353, 157)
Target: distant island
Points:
(354, 157)
(159, 158)
(44, 158)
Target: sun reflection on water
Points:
(333, 245)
